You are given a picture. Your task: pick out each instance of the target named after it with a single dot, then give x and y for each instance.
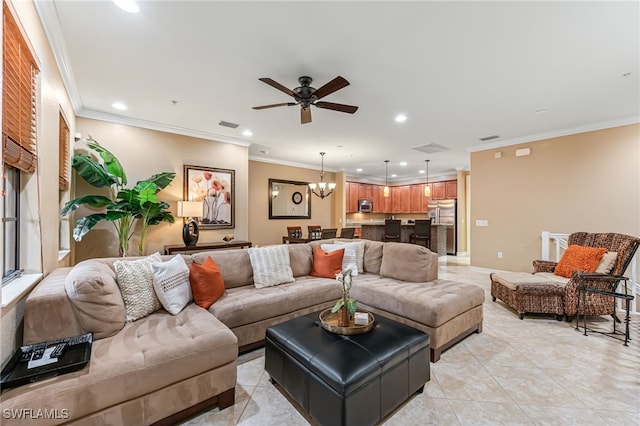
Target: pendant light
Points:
(385, 191)
(322, 189)
(427, 188)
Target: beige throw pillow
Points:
(607, 262)
(271, 265)
(135, 279)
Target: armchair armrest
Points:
(544, 266)
(599, 283)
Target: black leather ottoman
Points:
(347, 380)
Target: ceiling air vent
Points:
(431, 148)
(229, 124)
(488, 138)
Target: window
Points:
(10, 223)
(19, 72)
(64, 236)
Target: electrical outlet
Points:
(482, 222)
(499, 255)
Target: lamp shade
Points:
(190, 209)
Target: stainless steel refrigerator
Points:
(445, 212)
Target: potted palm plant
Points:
(123, 207)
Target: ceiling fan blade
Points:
(335, 84)
(305, 115)
(337, 107)
(275, 105)
(276, 85)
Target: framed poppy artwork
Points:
(216, 189)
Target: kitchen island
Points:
(375, 232)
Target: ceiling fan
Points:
(305, 96)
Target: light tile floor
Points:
(532, 371)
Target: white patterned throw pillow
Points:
(270, 265)
(359, 245)
(135, 280)
(171, 283)
(349, 260)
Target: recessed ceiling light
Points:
(403, 163)
(400, 118)
(394, 175)
(247, 132)
(127, 5)
(119, 105)
(358, 170)
(541, 111)
(421, 172)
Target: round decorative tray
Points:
(329, 322)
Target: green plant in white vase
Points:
(123, 206)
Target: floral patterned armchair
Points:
(596, 304)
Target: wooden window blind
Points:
(63, 158)
(18, 97)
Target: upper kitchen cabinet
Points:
(418, 200)
(437, 191)
(352, 197)
(451, 189)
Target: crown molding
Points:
(556, 134)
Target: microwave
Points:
(365, 206)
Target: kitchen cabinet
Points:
(405, 205)
(418, 200)
(437, 191)
(352, 197)
(451, 189)
(365, 191)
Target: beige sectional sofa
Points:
(164, 367)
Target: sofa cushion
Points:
(579, 258)
(372, 259)
(96, 299)
(152, 353)
(300, 258)
(247, 305)
(327, 264)
(430, 303)
(171, 284)
(206, 282)
(349, 258)
(556, 279)
(235, 265)
(408, 262)
(271, 265)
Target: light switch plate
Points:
(482, 222)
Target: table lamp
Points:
(190, 210)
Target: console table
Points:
(206, 247)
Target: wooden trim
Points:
(222, 400)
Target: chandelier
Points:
(322, 189)
(427, 188)
(385, 191)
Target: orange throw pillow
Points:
(206, 282)
(579, 258)
(327, 265)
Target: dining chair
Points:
(347, 233)
(328, 233)
(315, 232)
(294, 231)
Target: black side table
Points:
(611, 291)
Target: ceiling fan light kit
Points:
(305, 96)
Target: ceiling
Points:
(459, 71)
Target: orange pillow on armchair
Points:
(579, 258)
